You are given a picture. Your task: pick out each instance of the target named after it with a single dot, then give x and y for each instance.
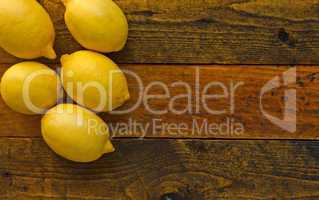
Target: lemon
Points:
(26, 30)
(94, 81)
(30, 87)
(76, 133)
(98, 25)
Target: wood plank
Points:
(246, 110)
(201, 31)
(158, 169)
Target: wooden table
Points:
(229, 41)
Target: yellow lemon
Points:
(26, 30)
(98, 25)
(30, 87)
(94, 81)
(76, 133)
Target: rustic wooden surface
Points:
(209, 31)
(187, 34)
(246, 103)
(155, 169)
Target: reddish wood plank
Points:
(246, 104)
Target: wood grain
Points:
(246, 109)
(206, 32)
(158, 169)
(191, 33)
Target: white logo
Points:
(289, 121)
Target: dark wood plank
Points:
(246, 104)
(153, 169)
(188, 31)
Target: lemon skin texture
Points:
(30, 82)
(94, 81)
(26, 30)
(98, 25)
(76, 133)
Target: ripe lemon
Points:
(94, 81)
(76, 133)
(26, 30)
(30, 87)
(98, 25)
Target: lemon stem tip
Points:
(65, 2)
(49, 53)
(109, 148)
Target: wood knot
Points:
(6, 174)
(285, 37)
(173, 196)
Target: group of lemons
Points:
(26, 31)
